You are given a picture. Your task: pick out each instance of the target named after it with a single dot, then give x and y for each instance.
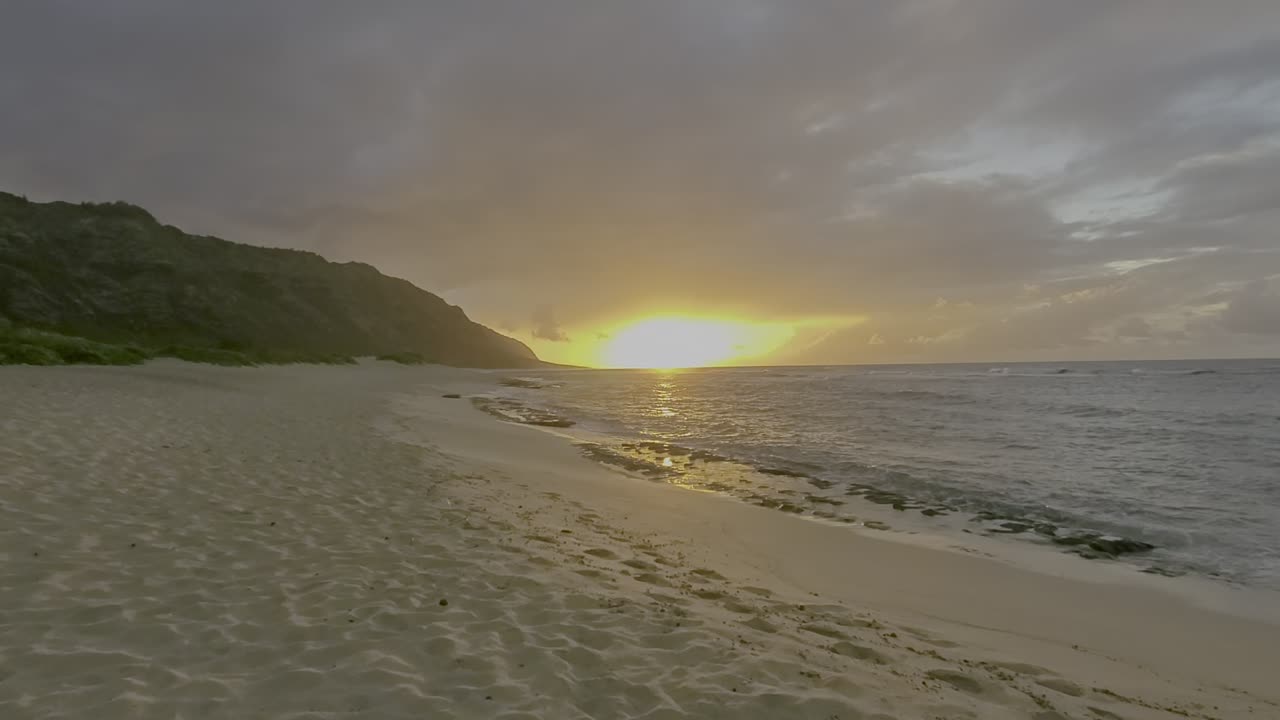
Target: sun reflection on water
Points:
(663, 399)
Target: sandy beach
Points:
(183, 541)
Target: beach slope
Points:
(189, 541)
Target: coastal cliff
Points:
(110, 272)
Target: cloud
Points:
(1254, 309)
(1133, 327)
(545, 326)
(767, 160)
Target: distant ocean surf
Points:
(1173, 466)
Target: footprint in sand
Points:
(737, 607)
(762, 592)
(1066, 687)
(859, 652)
(602, 553)
(925, 637)
(711, 574)
(639, 564)
(959, 681)
(759, 623)
(653, 579)
(823, 609)
(1021, 668)
(824, 631)
(668, 599)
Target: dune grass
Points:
(20, 346)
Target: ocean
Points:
(1173, 467)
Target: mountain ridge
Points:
(111, 272)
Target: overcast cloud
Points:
(956, 179)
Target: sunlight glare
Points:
(681, 342)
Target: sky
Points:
(892, 181)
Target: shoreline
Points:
(1051, 546)
(1050, 572)
(1214, 594)
(1093, 601)
(266, 542)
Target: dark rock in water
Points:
(883, 497)
(512, 411)
(1119, 546)
(1011, 527)
(932, 512)
(1203, 372)
(608, 456)
(1088, 554)
(820, 500)
(706, 456)
(1163, 571)
(1097, 546)
(662, 448)
(451, 396)
(1046, 529)
(522, 383)
(1061, 371)
(775, 504)
(820, 483)
(1074, 540)
(782, 472)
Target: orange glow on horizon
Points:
(674, 341)
(677, 340)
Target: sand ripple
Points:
(194, 542)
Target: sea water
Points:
(1173, 466)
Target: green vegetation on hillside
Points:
(24, 346)
(31, 347)
(404, 358)
(106, 282)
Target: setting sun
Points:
(680, 342)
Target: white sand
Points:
(185, 541)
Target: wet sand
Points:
(190, 541)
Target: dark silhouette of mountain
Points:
(110, 272)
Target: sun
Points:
(669, 342)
